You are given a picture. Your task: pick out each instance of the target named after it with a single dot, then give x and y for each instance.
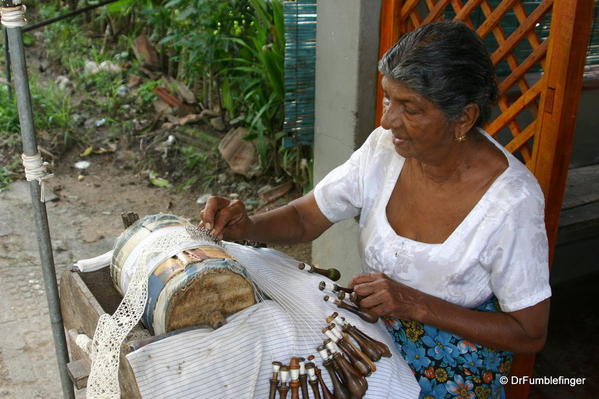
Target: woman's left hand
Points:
(386, 297)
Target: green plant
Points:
(197, 40)
(9, 118)
(6, 176)
(258, 72)
(230, 52)
(145, 92)
(193, 157)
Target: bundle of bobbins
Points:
(348, 355)
(293, 377)
(343, 293)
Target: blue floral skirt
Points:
(447, 366)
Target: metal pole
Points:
(19, 70)
(67, 15)
(7, 62)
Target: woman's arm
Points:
(523, 331)
(299, 221)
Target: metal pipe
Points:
(19, 70)
(7, 62)
(67, 15)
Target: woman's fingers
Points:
(365, 278)
(208, 214)
(372, 300)
(233, 213)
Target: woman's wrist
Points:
(423, 308)
(250, 231)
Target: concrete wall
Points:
(346, 63)
(585, 149)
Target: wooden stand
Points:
(83, 298)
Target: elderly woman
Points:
(452, 233)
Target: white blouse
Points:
(499, 249)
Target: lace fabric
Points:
(112, 330)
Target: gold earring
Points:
(461, 139)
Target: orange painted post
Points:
(389, 34)
(570, 29)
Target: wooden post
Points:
(569, 38)
(389, 34)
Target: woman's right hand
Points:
(226, 219)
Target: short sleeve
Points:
(517, 257)
(339, 194)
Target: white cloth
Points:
(500, 247)
(234, 361)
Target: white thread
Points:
(35, 169)
(331, 335)
(294, 374)
(84, 342)
(332, 347)
(14, 17)
(302, 368)
(328, 286)
(284, 376)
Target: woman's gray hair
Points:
(447, 63)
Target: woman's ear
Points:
(467, 120)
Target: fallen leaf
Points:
(158, 181)
(87, 151)
(103, 150)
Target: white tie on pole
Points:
(35, 169)
(14, 17)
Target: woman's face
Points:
(420, 129)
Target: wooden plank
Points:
(521, 139)
(500, 38)
(430, 4)
(100, 284)
(457, 8)
(81, 311)
(415, 18)
(78, 371)
(582, 187)
(515, 129)
(389, 34)
(76, 352)
(492, 20)
(407, 8)
(533, 39)
(522, 30)
(517, 74)
(513, 64)
(465, 12)
(436, 11)
(516, 107)
(571, 25)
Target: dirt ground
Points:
(84, 220)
